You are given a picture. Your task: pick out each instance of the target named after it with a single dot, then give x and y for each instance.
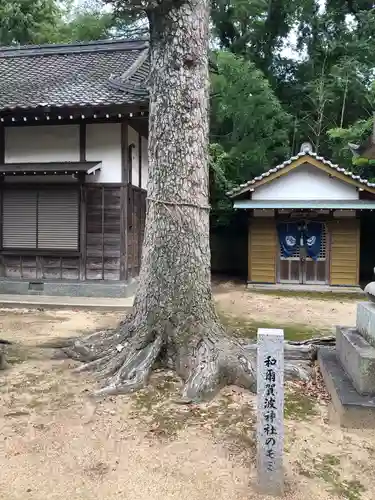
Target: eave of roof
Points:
(73, 48)
(296, 160)
(50, 168)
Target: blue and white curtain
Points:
(289, 237)
(294, 235)
(313, 239)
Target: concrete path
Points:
(53, 302)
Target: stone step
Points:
(357, 357)
(366, 321)
(348, 408)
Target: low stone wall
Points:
(69, 288)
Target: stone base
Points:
(348, 408)
(366, 321)
(296, 287)
(357, 357)
(119, 289)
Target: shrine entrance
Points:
(295, 265)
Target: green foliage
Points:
(247, 119)
(27, 21)
(341, 138)
(255, 29)
(327, 84)
(53, 21)
(86, 25)
(249, 129)
(89, 21)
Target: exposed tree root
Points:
(124, 358)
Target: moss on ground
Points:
(325, 467)
(243, 328)
(231, 421)
(298, 406)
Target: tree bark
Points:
(174, 322)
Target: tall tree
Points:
(27, 21)
(174, 319)
(90, 21)
(249, 130)
(247, 119)
(254, 28)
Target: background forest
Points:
(283, 72)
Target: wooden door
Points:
(316, 271)
(289, 268)
(299, 268)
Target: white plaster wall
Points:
(144, 162)
(103, 143)
(55, 143)
(306, 182)
(42, 143)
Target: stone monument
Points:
(270, 411)
(349, 369)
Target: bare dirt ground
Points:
(56, 442)
(307, 310)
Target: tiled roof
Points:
(80, 74)
(247, 186)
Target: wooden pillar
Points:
(124, 257)
(2, 160)
(82, 206)
(249, 249)
(82, 231)
(125, 173)
(82, 142)
(102, 226)
(140, 160)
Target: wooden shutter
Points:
(58, 218)
(19, 218)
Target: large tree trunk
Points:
(174, 320)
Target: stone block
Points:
(348, 408)
(357, 357)
(366, 321)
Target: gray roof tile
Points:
(73, 75)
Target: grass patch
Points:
(230, 420)
(325, 467)
(298, 406)
(16, 354)
(243, 328)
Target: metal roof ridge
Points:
(73, 48)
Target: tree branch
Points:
(142, 5)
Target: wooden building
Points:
(304, 222)
(73, 167)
